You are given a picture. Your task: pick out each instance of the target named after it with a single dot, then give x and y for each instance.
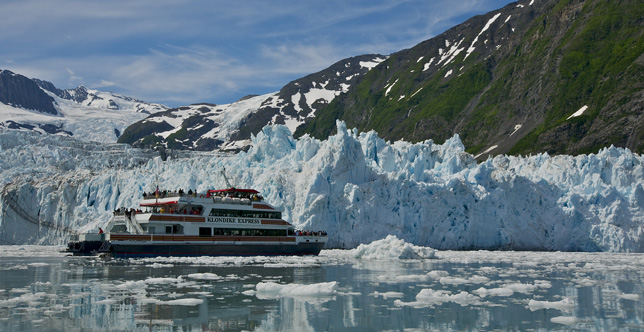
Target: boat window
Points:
(177, 229)
(205, 231)
(250, 232)
(118, 229)
(245, 214)
(174, 229)
(196, 210)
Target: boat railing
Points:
(125, 216)
(231, 200)
(166, 195)
(215, 199)
(310, 233)
(134, 224)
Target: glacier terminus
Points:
(356, 186)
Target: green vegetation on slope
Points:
(538, 66)
(597, 64)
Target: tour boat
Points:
(218, 222)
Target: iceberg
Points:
(357, 187)
(392, 248)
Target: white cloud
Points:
(104, 83)
(300, 58)
(190, 51)
(72, 78)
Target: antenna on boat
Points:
(223, 172)
(156, 192)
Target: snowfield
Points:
(357, 187)
(100, 118)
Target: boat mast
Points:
(156, 192)
(223, 172)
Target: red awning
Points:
(250, 191)
(158, 203)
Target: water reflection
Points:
(458, 291)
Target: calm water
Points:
(41, 290)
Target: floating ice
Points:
(501, 291)
(566, 305)
(132, 285)
(522, 288)
(183, 302)
(388, 295)
(565, 320)
(205, 276)
(39, 264)
(178, 302)
(632, 297)
(272, 289)
(162, 280)
(30, 250)
(460, 281)
(428, 297)
(28, 299)
(392, 247)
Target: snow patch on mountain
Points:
(487, 26)
(371, 64)
(320, 94)
(390, 86)
(95, 116)
(578, 113)
(428, 64)
(451, 53)
(84, 122)
(228, 127)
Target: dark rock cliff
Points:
(19, 91)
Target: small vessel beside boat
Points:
(227, 222)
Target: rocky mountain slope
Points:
(556, 76)
(228, 127)
(36, 105)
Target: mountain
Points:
(19, 91)
(100, 99)
(206, 127)
(36, 105)
(556, 76)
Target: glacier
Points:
(356, 186)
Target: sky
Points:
(183, 52)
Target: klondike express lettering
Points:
(232, 220)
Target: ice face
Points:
(356, 186)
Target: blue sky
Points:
(183, 52)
